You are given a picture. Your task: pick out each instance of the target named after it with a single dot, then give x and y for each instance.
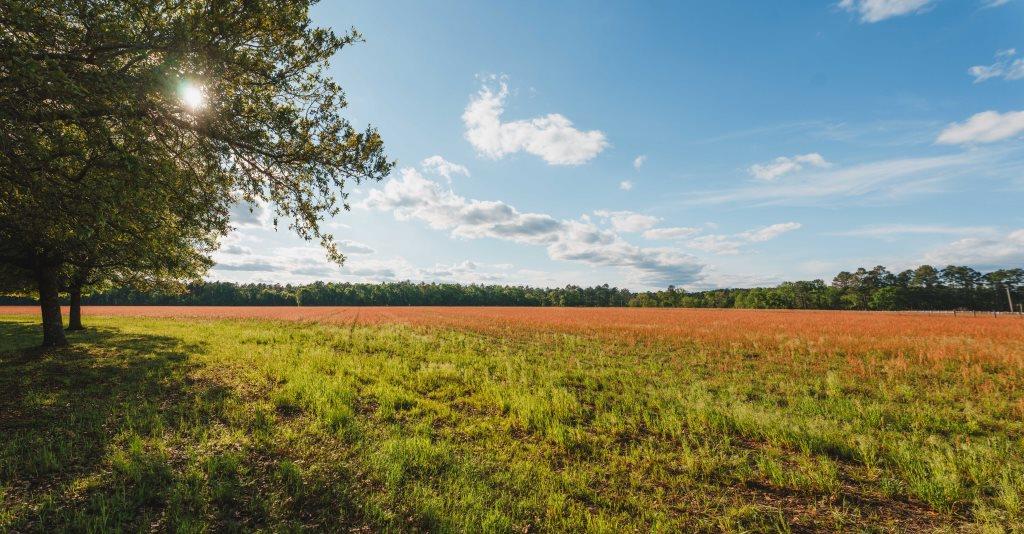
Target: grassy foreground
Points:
(236, 425)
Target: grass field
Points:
(522, 420)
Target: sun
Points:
(192, 95)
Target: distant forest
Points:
(924, 288)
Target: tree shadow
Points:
(19, 336)
(79, 425)
(119, 432)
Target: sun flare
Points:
(192, 96)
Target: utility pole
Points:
(1009, 297)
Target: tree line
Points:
(355, 294)
(925, 288)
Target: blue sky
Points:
(698, 144)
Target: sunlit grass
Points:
(195, 425)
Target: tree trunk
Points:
(49, 303)
(75, 313)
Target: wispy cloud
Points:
(768, 232)
(306, 263)
(984, 127)
(879, 10)
(1006, 66)
(441, 167)
(250, 266)
(626, 185)
(348, 246)
(628, 221)
(732, 244)
(783, 165)
(719, 243)
(885, 179)
(670, 233)
(639, 161)
(399, 268)
(983, 252)
(552, 137)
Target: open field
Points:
(512, 419)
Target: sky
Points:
(695, 144)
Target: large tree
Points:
(109, 93)
(153, 244)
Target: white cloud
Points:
(768, 232)
(462, 270)
(301, 264)
(272, 257)
(990, 252)
(355, 247)
(994, 3)
(675, 232)
(783, 165)
(235, 250)
(628, 221)
(626, 185)
(639, 161)
(442, 167)
(878, 10)
(373, 273)
(273, 265)
(398, 268)
(714, 278)
(731, 244)
(249, 266)
(1006, 67)
(984, 127)
(414, 197)
(249, 215)
(885, 179)
(716, 244)
(411, 196)
(648, 266)
(552, 137)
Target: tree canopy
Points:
(129, 128)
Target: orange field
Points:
(930, 336)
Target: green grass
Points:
(227, 425)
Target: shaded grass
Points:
(194, 425)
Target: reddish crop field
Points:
(929, 336)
